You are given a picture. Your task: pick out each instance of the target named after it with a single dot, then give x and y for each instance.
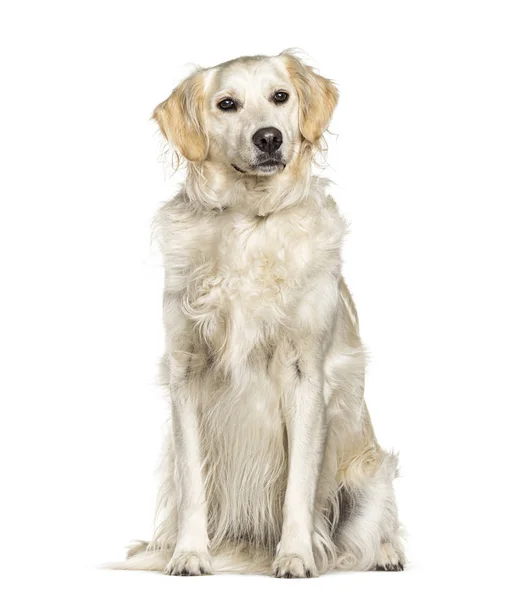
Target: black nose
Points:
(268, 139)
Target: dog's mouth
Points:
(266, 166)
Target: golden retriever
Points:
(271, 464)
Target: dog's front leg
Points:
(304, 412)
(191, 554)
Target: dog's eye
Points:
(227, 104)
(280, 97)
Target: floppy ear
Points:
(180, 118)
(317, 97)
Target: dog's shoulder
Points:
(329, 226)
(178, 225)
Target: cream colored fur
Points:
(271, 464)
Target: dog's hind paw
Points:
(389, 559)
(189, 564)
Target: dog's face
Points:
(252, 117)
(251, 114)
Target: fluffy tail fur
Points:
(141, 557)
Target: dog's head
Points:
(252, 114)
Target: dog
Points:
(271, 464)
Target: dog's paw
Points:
(189, 563)
(293, 566)
(389, 559)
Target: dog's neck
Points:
(214, 186)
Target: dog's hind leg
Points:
(370, 537)
(389, 558)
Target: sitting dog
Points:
(271, 464)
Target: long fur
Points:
(258, 319)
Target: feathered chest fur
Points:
(237, 277)
(254, 263)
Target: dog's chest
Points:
(246, 274)
(259, 260)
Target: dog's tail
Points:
(141, 557)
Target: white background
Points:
(430, 167)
